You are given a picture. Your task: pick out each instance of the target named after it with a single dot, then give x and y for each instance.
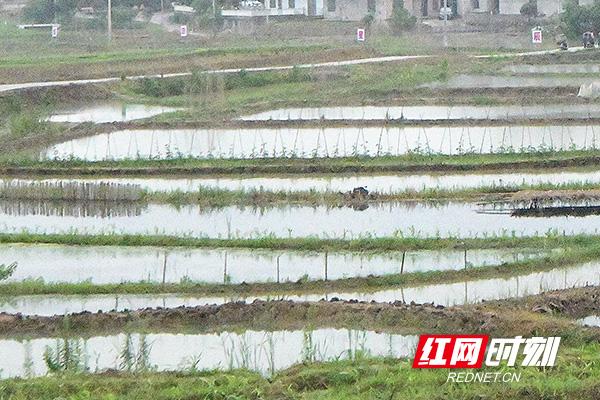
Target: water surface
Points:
(324, 142)
(414, 219)
(500, 81)
(545, 111)
(552, 68)
(109, 112)
(446, 294)
(262, 351)
(591, 320)
(103, 265)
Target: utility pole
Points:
(445, 23)
(109, 19)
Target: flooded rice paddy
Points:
(262, 351)
(552, 68)
(103, 265)
(109, 112)
(447, 294)
(339, 183)
(323, 142)
(499, 82)
(415, 219)
(437, 113)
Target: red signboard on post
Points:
(360, 35)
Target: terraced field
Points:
(290, 234)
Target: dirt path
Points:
(373, 60)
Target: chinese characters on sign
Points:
(468, 351)
(183, 31)
(536, 35)
(450, 351)
(360, 35)
(54, 31)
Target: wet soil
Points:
(544, 314)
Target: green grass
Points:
(406, 163)
(397, 243)
(217, 197)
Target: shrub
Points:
(202, 83)
(11, 105)
(160, 87)
(401, 19)
(576, 19)
(529, 9)
(122, 17)
(45, 11)
(25, 123)
(368, 20)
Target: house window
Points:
(291, 3)
(371, 6)
(331, 5)
(476, 4)
(272, 3)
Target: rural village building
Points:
(355, 10)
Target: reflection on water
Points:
(324, 142)
(262, 351)
(109, 112)
(70, 209)
(342, 183)
(546, 111)
(109, 264)
(444, 293)
(414, 219)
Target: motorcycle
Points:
(588, 40)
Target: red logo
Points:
(450, 351)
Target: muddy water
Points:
(499, 81)
(552, 69)
(447, 294)
(262, 351)
(592, 320)
(109, 112)
(549, 111)
(406, 218)
(325, 142)
(133, 264)
(322, 183)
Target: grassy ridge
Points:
(214, 197)
(10, 164)
(307, 243)
(218, 197)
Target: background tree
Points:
(401, 19)
(529, 9)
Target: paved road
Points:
(374, 60)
